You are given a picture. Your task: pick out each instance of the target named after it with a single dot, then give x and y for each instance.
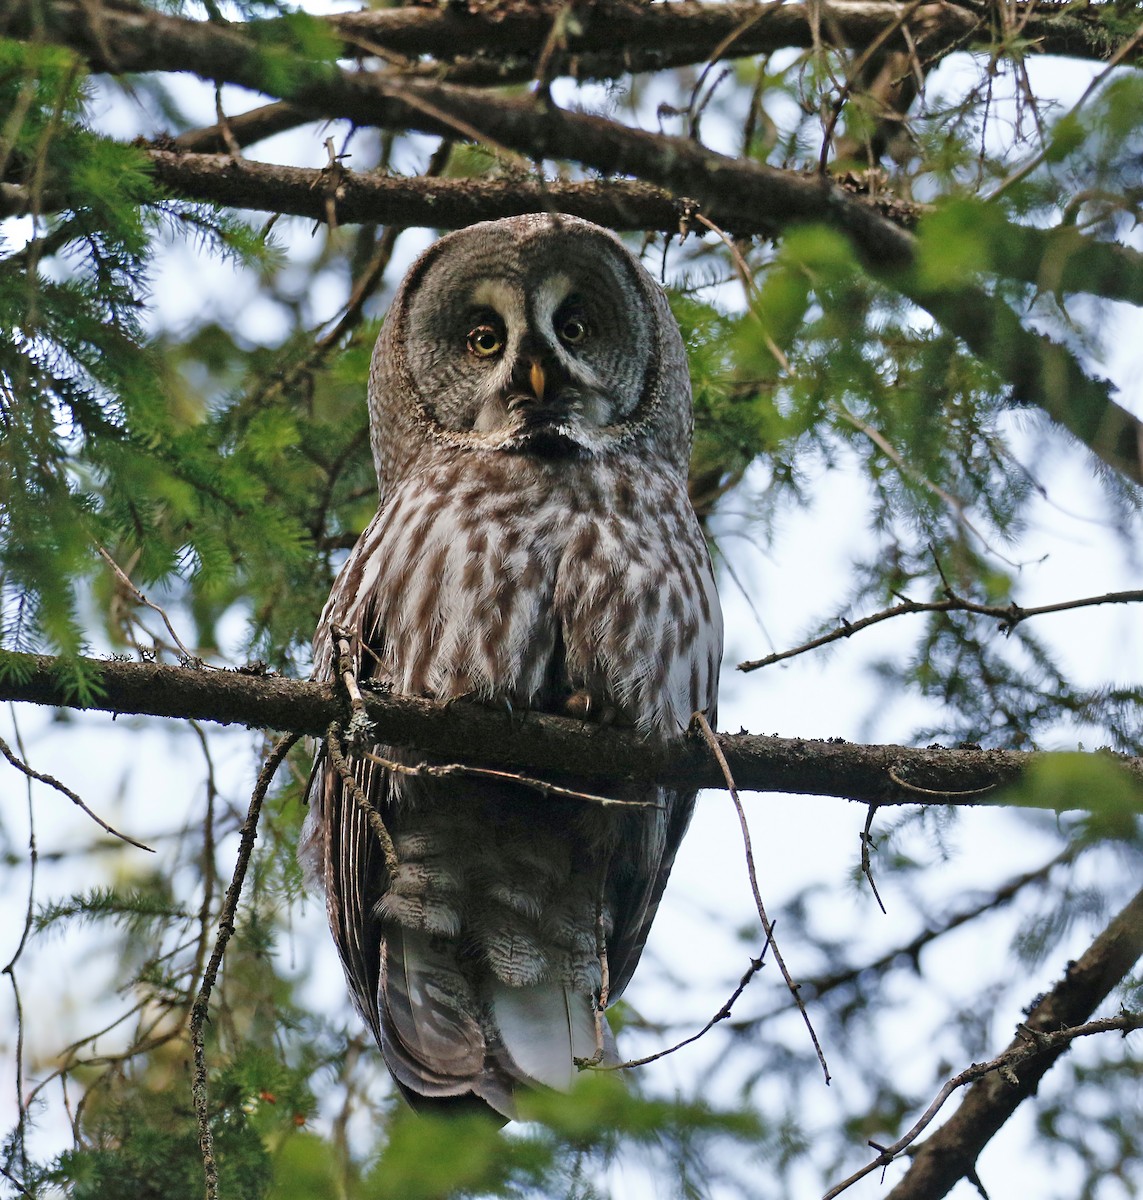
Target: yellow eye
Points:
(485, 341)
(572, 330)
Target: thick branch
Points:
(611, 38)
(617, 37)
(1040, 372)
(1062, 260)
(399, 200)
(951, 1153)
(538, 743)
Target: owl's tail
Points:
(452, 1043)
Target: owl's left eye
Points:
(485, 341)
(572, 329)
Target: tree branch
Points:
(1008, 616)
(1029, 1044)
(611, 38)
(400, 200)
(618, 37)
(1040, 372)
(1063, 259)
(538, 743)
(951, 1153)
(245, 129)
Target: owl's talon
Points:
(579, 705)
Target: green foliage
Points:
(136, 910)
(141, 1136)
(295, 49)
(200, 484)
(101, 445)
(145, 1144)
(553, 1153)
(1058, 781)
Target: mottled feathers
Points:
(534, 547)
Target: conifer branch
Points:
(619, 37)
(536, 743)
(1040, 373)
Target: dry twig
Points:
(703, 726)
(64, 790)
(543, 786)
(1009, 616)
(201, 1008)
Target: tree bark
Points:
(533, 743)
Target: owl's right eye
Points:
(485, 341)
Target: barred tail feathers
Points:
(446, 1045)
(543, 1028)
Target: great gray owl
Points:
(534, 548)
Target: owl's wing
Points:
(406, 983)
(691, 650)
(341, 851)
(640, 868)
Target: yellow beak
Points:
(536, 376)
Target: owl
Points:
(534, 548)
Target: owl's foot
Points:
(582, 705)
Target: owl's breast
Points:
(528, 587)
(636, 604)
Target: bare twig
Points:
(52, 782)
(866, 854)
(22, 1104)
(543, 786)
(368, 808)
(364, 287)
(223, 127)
(723, 1014)
(125, 582)
(359, 728)
(1009, 616)
(703, 725)
(200, 1010)
(938, 793)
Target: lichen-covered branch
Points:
(541, 744)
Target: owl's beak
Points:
(535, 382)
(536, 378)
(536, 389)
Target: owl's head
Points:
(536, 335)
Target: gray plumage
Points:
(534, 547)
